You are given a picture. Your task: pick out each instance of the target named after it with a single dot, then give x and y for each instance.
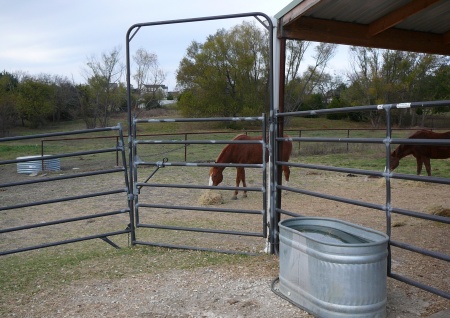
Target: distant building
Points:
(159, 93)
(163, 89)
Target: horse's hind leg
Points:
(419, 165)
(244, 184)
(238, 180)
(427, 164)
(287, 172)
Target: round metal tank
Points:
(33, 166)
(332, 268)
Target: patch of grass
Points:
(13, 150)
(374, 161)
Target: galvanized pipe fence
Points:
(48, 141)
(18, 202)
(187, 135)
(388, 207)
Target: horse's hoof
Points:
(244, 195)
(234, 197)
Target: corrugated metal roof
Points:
(416, 25)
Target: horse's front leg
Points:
(240, 176)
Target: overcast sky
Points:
(58, 36)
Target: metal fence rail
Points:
(17, 205)
(387, 208)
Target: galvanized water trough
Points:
(36, 164)
(333, 268)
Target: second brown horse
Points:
(422, 153)
(245, 153)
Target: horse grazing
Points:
(422, 153)
(245, 153)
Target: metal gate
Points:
(165, 198)
(136, 162)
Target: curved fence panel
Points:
(82, 198)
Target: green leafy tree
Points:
(34, 102)
(336, 102)
(386, 76)
(65, 99)
(227, 75)
(436, 86)
(8, 102)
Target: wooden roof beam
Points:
(397, 16)
(298, 11)
(347, 33)
(446, 37)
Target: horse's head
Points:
(215, 176)
(394, 159)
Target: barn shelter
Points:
(408, 25)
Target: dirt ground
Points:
(235, 290)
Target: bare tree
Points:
(298, 86)
(148, 72)
(295, 54)
(105, 89)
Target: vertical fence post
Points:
(388, 182)
(185, 147)
(348, 136)
(299, 135)
(42, 155)
(117, 151)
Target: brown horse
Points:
(245, 153)
(422, 153)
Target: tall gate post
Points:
(130, 139)
(277, 100)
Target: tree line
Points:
(227, 75)
(34, 101)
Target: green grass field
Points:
(362, 156)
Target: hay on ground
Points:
(438, 210)
(210, 198)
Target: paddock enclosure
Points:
(142, 192)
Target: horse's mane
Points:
(222, 153)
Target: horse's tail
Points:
(287, 149)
